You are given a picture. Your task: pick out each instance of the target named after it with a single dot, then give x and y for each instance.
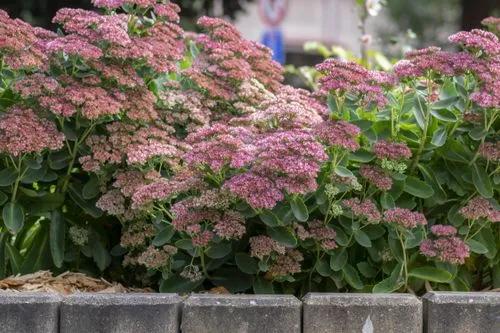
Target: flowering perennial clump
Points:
(186, 157)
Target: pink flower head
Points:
(443, 230)
(19, 44)
(338, 133)
(350, 77)
(404, 217)
(391, 150)
(289, 108)
(490, 151)
(446, 249)
(110, 4)
(287, 264)
(376, 176)
(74, 45)
(263, 246)
(319, 232)
(258, 191)
(203, 238)
(477, 39)
(220, 146)
(363, 209)
(419, 62)
(493, 23)
(228, 60)
(23, 132)
(231, 225)
(479, 208)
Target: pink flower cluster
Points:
(419, 62)
(363, 209)
(228, 59)
(376, 176)
(163, 189)
(391, 150)
(446, 247)
(486, 66)
(319, 232)
(349, 77)
(286, 264)
(220, 145)
(490, 151)
(23, 132)
(286, 161)
(134, 144)
(443, 230)
(404, 217)
(493, 23)
(263, 246)
(288, 108)
(339, 133)
(480, 208)
(258, 191)
(477, 39)
(20, 45)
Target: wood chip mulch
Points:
(65, 283)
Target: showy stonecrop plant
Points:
(392, 188)
(61, 94)
(221, 175)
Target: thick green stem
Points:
(405, 259)
(488, 125)
(20, 175)
(203, 265)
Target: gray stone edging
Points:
(388, 313)
(269, 313)
(120, 313)
(29, 312)
(446, 312)
(462, 312)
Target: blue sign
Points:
(273, 39)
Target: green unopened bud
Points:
(336, 210)
(331, 191)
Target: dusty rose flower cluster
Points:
(391, 150)
(349, 77)
(20, 43)
(286, 264)
(490, 151)
(319, 232)
(228, 58)
(376, 176)
(363, 209)
(340, 134)
(419, 62)
(404, 217)
(446, 246)
(23, 132)
(480, 208)
(263, 246)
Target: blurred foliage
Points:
(424, 16)
(40, 12)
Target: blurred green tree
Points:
(40, 12)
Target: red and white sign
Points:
(272, 12)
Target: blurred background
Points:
(388, 26)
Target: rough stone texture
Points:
(455, 312)
(241, 314)
(363, 313)
(120, 313)
(29, 312)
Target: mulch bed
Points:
(65, 283)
